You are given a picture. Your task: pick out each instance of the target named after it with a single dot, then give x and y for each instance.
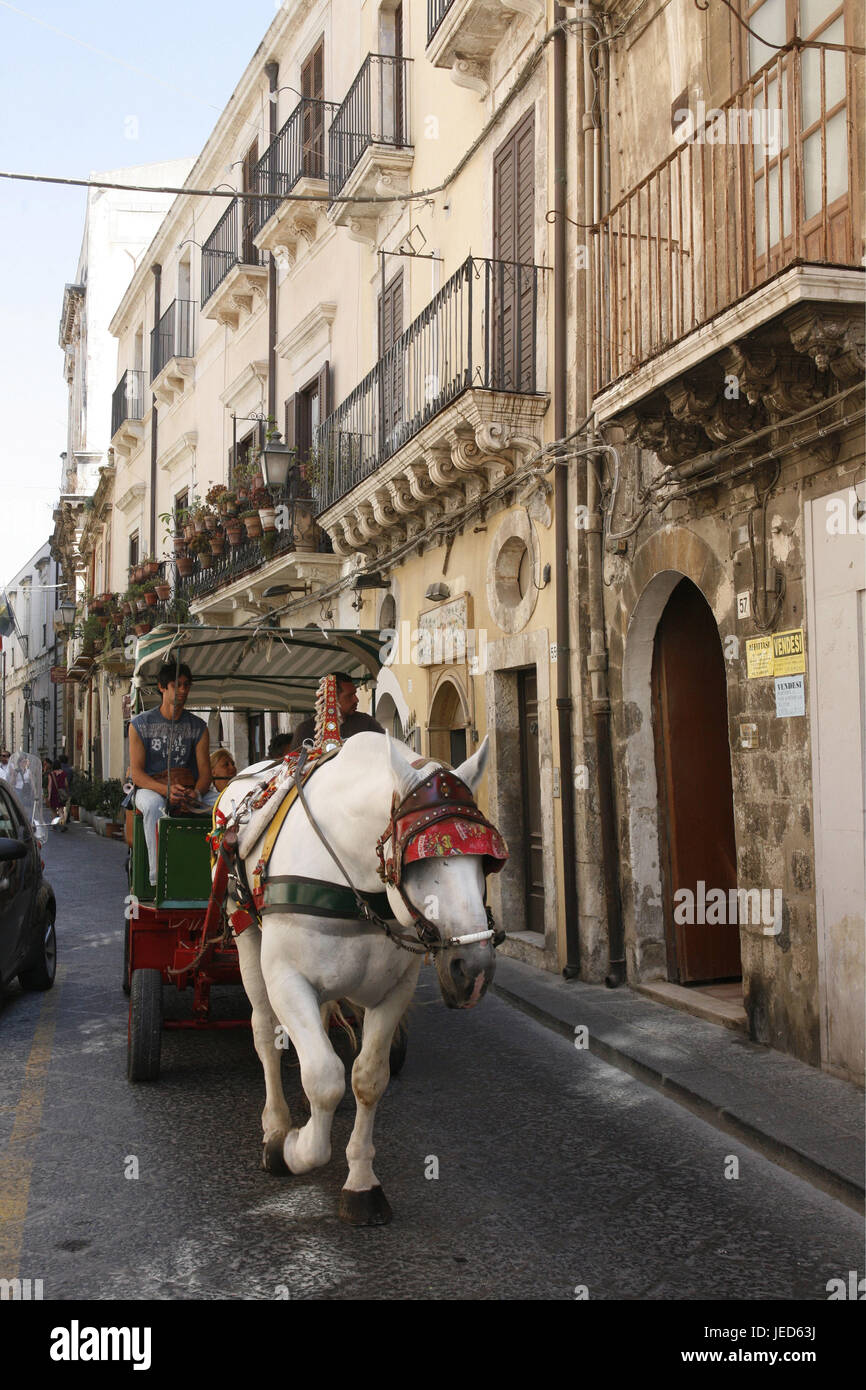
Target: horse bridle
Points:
(424, 806)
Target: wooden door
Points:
(513, 248)
(313, 114)
(533, 858)
(696, 799)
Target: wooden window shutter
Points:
(514, 247)
(324, 392)
(292, 416)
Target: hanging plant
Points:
(185, 565)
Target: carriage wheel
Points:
(127, 948)
(145, 1026)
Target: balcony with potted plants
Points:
(369, 144)
(251, 535)
(463, 35)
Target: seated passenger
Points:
(222, 768)
(351, 722)
(165, 730)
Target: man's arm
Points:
(202, 758)
(137, 760)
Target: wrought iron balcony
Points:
(127, 401)
(229, 244)
(436, 12)
(374, 112)
(298, 151)
(763, 185)
(480, 331)
(174, 335)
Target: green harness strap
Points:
(316, 898)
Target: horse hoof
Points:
(368, 1208)
(272, 1158)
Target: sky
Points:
(64, 110)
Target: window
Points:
(133, 550)
(390, 329)
(184, 279)
(249, 253)
(305, 412)
(181, 505)
(244, 451)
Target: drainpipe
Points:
(272, 72)
(157, 283)
(564, 704)
(595, 189)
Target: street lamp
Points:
(66, 611)
(274, 460)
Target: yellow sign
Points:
(789, 653)
(759, 657)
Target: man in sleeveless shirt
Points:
(164, 736)
(351, 722)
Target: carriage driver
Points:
(351, 722)
(168, 726)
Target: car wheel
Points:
(145, 1026)
(40, 973)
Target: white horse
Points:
(297, 963)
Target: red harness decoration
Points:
(438, 819)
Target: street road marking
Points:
(16, 1165)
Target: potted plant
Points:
(234, 530)
(92, 634)
(252, 522)
(150, 567)
(185, 564)
(218, 542)
(163, 590)
(143, 626)
(305, 532)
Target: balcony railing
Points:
(127, 400)
(764, 185)
(250, 555)
(375, 112)
(174, 335)
(480, 331)
(229, 244)
(299, 150)
(436, 12)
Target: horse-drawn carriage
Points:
(311, 888)
(174, 933)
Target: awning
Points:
(259, 669)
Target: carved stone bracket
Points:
(834, 340)
(471, 75)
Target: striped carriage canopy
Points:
(262, 668)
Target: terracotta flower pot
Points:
(141, 605)
(268, 518)
(218, 542)
(163, 592)
(151, 568)
(151, 598)
(253, 526)
(234, 532)
(179, 544)
(198, 526)
(185, 565)
(205, 559)
(210, 523)
(143, 627)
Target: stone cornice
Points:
(254, 372)
(133, 494)
(322, 316)
(177, 452)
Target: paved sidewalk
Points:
(794, 1114)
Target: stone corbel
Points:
(440, 467)
(302, 224)
(834, 341)
(669, 439)
(363, 229)
(465, 73)
(752, 366)
(419, 482)
(383, 511)
(392, 185)
(366, 523)
(401, 498)
(465, 453)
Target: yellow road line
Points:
(16, 1165)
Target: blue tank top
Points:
(158, 734)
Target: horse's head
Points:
(445, 883)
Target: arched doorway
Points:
(447, 726)
(388, 716)
(696, 811)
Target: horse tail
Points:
(332, 1013)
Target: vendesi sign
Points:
(789, 653)
(782, 654)
(790, 696)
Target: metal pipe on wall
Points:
(564, 706)
(272, 72)
(157, 285)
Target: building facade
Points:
(32, 700)
(726, 316)
(559, 313)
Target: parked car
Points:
(28, 944)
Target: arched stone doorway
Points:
(389, 716)
(448, 725)
(695, 806)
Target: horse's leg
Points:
(276, 1119)
(322, 1073)
(362, 1201)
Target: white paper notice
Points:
(790, 696)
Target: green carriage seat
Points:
(183, 874)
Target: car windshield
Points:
(24, 777)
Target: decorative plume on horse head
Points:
(378, 859)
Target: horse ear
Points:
(405, 775)
(472, 770)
